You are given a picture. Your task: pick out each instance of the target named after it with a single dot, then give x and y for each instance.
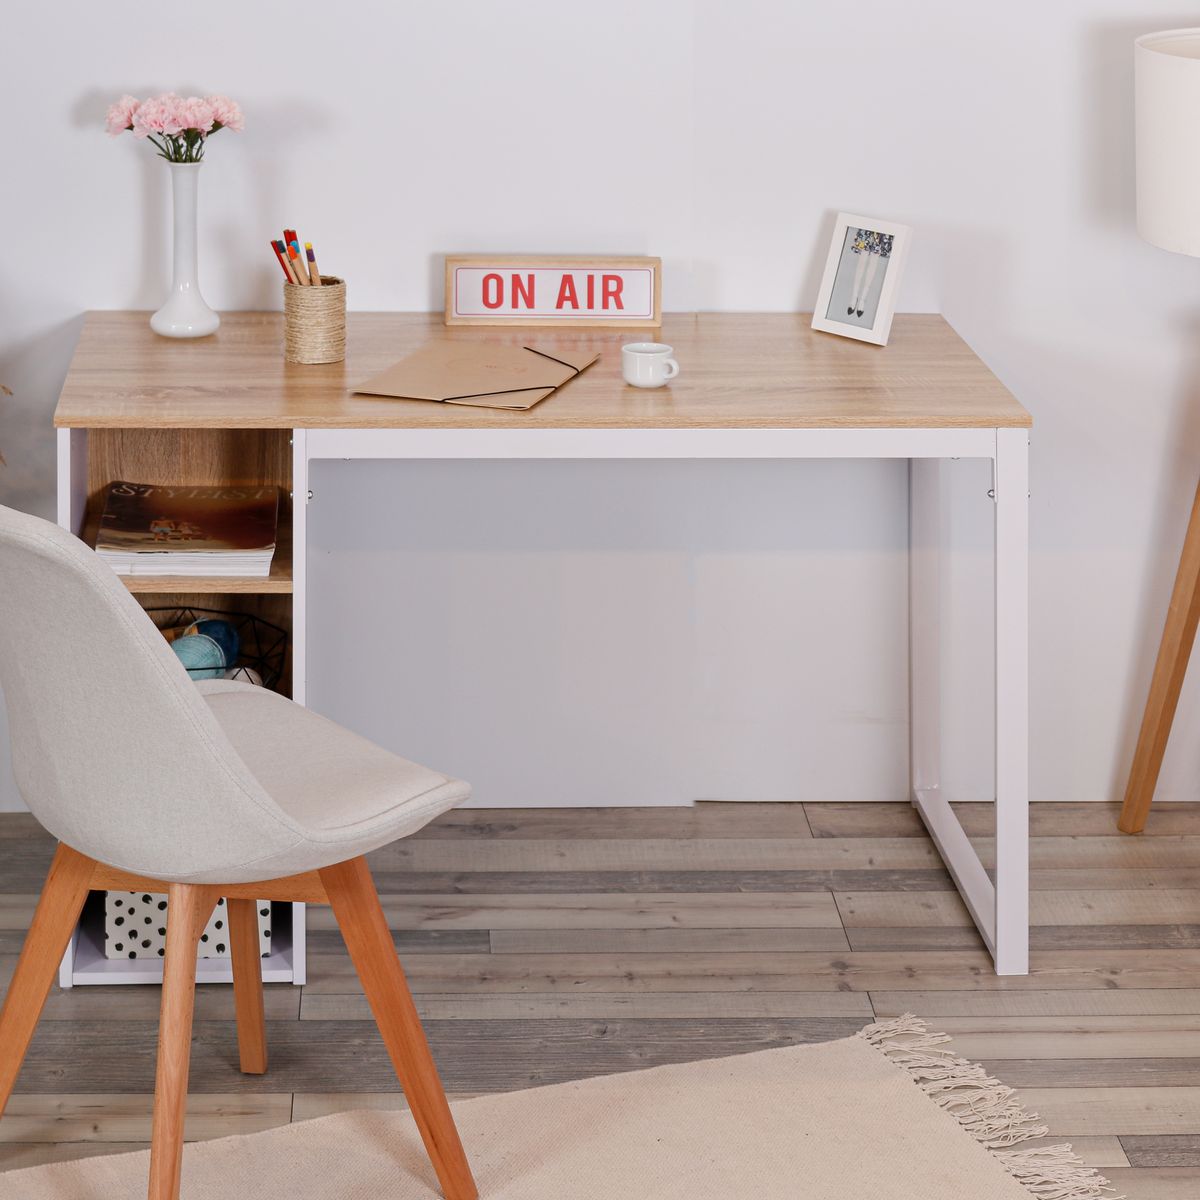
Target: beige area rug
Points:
(890, 1113)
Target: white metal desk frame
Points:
(1000, 909)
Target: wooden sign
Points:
(499, 289)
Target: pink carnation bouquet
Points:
(178, 126)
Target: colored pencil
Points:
(281, 254)
(290, 236)
(301, 265)
(294, 259)
(277, 247)
(313, 273)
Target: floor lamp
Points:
(1167, 95)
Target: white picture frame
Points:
(864, 281)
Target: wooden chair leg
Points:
(1179, 633)
(188, 908)
(247, 985)
(54, 921)
(356, 907)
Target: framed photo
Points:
(858, 290)
(571, 290)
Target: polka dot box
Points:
(135, 926)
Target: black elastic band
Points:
(551, 357)
(501, 392)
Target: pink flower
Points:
(197, 114)
(120, 115)
(178, 126)
(159, 114)
(226, 113)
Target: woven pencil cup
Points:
(314, 321)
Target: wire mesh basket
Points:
(262, 647)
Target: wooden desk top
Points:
(752, 370)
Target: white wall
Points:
(722, 137)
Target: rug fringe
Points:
(988, 1110)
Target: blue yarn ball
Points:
(202, 656)
(224, 633)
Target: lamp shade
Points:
(1167, 97)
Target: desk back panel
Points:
(620, 632)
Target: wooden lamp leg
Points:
(1179, 633)
(188, 908)
(247, 985)
(356, 907)
(54, 921)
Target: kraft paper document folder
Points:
(484, 374)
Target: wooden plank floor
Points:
(546, 945)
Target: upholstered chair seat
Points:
(343, 795)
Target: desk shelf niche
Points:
(90, 966)
(89, 459)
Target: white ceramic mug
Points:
(648, 364)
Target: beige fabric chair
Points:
(153, 782)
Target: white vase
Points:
(185, 315)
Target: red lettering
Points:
(522, 291)
(611, 290)
(591, 291)
(566, 293)
(497, 286)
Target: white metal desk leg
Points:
(925, 539)
(299, 645)
(1012, 701)
(299, 565)
(925, 624)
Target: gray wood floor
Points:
(546, 945)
